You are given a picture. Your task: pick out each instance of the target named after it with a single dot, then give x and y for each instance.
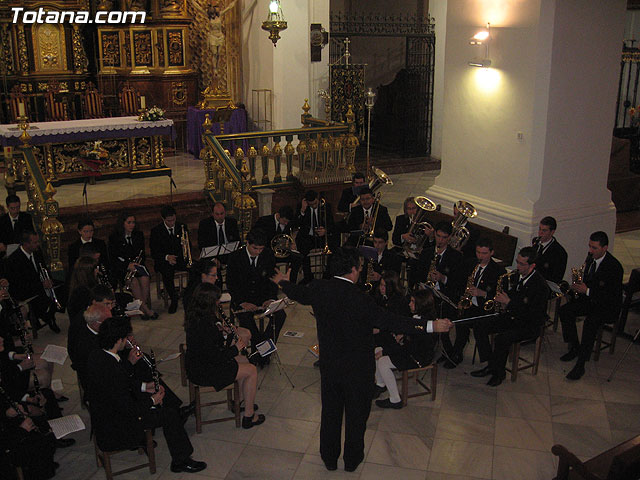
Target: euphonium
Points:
(186, 247)
(460, 233)
(418, 226)
(466, 299)
(131, 273)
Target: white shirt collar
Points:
(169, 228)
(25, 252)
(342, 278)
(94, 332)
(85, 241)
(249, 255)
(599, 261)
(114, 355)
(527, 278)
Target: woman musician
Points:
(211, 360)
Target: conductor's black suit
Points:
(345, 318)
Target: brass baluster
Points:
(313, 153)
(337, 153)
(302, 154)
(264, 157)
(239, 156)
(276, 153)
(289, 151)
(325, 148)
(253, 154)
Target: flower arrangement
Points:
(151, 115)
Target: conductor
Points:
(345, 318)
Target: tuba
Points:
(282, 245)
(460, 234)
(379, 179)
(186, 246)
(418, 226)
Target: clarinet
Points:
(16, 407)
(141, 354)
(22, 327)
(155, 376)
(229, 324)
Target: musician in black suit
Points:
(280, 223)
(13, 223)
(313, 231)
(483, 273)
(599, 298)
(552, 257)
(345, 318)
(86, 230)
(126, 244)
(387, 260)
(167, 252)
(218, 229)
(401, 235)
(362, 216)
(350, 194)
(524, 303)
(248, 272)
(24, 268)
(120, 412)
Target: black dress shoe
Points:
(65, 442)
(154, 316)
(379, 391)
(249, 422)
(577, 372)
(187, 411)
(352, 466)
(188, 466)
(386, 403)
(173, 308)
(496, 380)
(316, 364)
(483, 372)
(332, 465)
(54, 326)
(570, 355)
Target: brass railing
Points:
(41, 204)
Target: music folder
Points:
(555, 288)
(275, 307)
(218, 250)
(369, 253)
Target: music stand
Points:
(271, 309)
(635, 337)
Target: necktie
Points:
(592, 270)
(129, 241)
(13, 223)
(253, 262)
(476, 279)
(438, 258)
(540, 248)
(171, 231)
(220, 235)
(520, 284)
(315, 218)
(280, 229)
(33, 262)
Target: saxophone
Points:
(432, 269)
(465, 300)
(491, 304)
(368, 285)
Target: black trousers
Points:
(168, 273)
(507, 334)
(168, 417)
(568, 313)
(349, 394)
(463, 330)
(306, 243)
(271, 330)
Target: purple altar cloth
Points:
(195, 118)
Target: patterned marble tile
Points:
(522, 464)
(461, 458)
(399, 450)
(530, 434)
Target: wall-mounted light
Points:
(482, 37)
(275, 22)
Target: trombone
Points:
(325, 250)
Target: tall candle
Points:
(21, 109)
(143, 102)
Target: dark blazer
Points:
(304, 221)
(390, 261)
(73, 252)
(116, 411)
(401, 227)
(345, 318)
(208, 232)
(488, 280)
(383, 221)
(248, 284)
(346, 198)
(605, 286)
(122, 254)
(528, 305)
(552, 262)
(162, 244)
(451, 265)
(24, 280)
(268, 225)
(7, 233)
(208, 360)
(80, 344)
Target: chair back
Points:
(92, 102)
(129, 100)
(56, 104)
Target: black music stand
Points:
(275, 355)
(633, 340)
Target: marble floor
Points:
(471, 431)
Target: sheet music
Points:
(65, 425)
(266, 348)
(55, 354)
(56, 385)
(554, 287)
(168, 358)
(134, 305)
(217, 250)
(12, 247)
(276, 306)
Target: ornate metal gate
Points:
(414, 121)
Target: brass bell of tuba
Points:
(418, 226)
(379, 179)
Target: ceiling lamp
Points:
(275, 22)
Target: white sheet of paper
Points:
(135, 305)
(12, 247)
(132, 313)
(65, 425)
(55, 354)
(56, 385)
(168, 358)
(266, 348)
(291, 333)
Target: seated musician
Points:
(599, 297)
(280, 223)
(363, 217)
(407, 351)
(523, 302)
(120, 411)
(390, 295)
(313, 233)
(13, 223)
(213, 361)
(25, 274)
(248, 278)
(166, 250)
(482, 276)
(86, 231)
(349, 194)
(126, 246)
(204, 270)
(83, 280)
(401, 235)
(552, 257)
(387, 259)
(218, 229)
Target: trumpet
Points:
(186, 246)
(577, 276)
(51, 292)
(132, 273)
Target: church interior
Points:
(253, 102)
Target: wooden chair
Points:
(515, 357)
(56, 104)
(129, 100)
(414, 372)
(15, 98)
(618, 463)
(182, 278)
(92, 102)
(103, 459)
(232, 401)
(602, 344)
(183, 368)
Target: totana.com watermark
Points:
(81, 16)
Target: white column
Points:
(531, 136)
